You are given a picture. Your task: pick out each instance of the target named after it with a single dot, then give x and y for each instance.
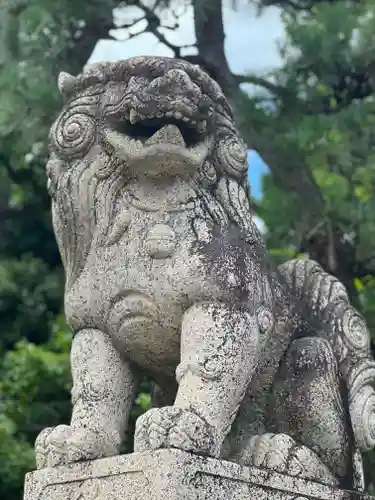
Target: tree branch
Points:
(153, 26)
(296, 5)
(210, 36)
(262, 82)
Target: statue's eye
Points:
(73, 133)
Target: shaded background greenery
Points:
(319, 200)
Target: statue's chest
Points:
(152, 251)
(157, 236)
(147, 259)
(150, 236)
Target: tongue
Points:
(168, 134)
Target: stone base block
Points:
(171, 475)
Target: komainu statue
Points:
(167, 275)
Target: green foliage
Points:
(34, 393)
(331, 125)
(16, 459)
(30, 405)
(29, 293)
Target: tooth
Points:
(133, 147)
(202, 126)
(169, 113)
(160, 115)
(135, 144)
(133, 116)
(169, 134)
(178, 115)
(185, 118)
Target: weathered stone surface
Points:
(167, 274)
(172, 475)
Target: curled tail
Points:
(344, 328)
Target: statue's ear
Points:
(65, 84)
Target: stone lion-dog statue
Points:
(167, 275)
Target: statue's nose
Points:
(175, 82)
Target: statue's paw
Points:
(173, 427)
(280, 453)
(271, 451)
(151, 428)
(192, 433)
(41, 449)
(64, 445)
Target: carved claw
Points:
(65, 444)
(280, 453)
(173, 427)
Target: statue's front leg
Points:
(220, 346)
(103, 391)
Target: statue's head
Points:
(146, 118)
(156, 116)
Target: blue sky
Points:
(250, 46)
(257, 168)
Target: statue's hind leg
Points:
(309, 430)
(103, 391)
(219, 349)
(308, 403)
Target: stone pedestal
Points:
(171, 475)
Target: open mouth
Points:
(146, 129)
(170, 138)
